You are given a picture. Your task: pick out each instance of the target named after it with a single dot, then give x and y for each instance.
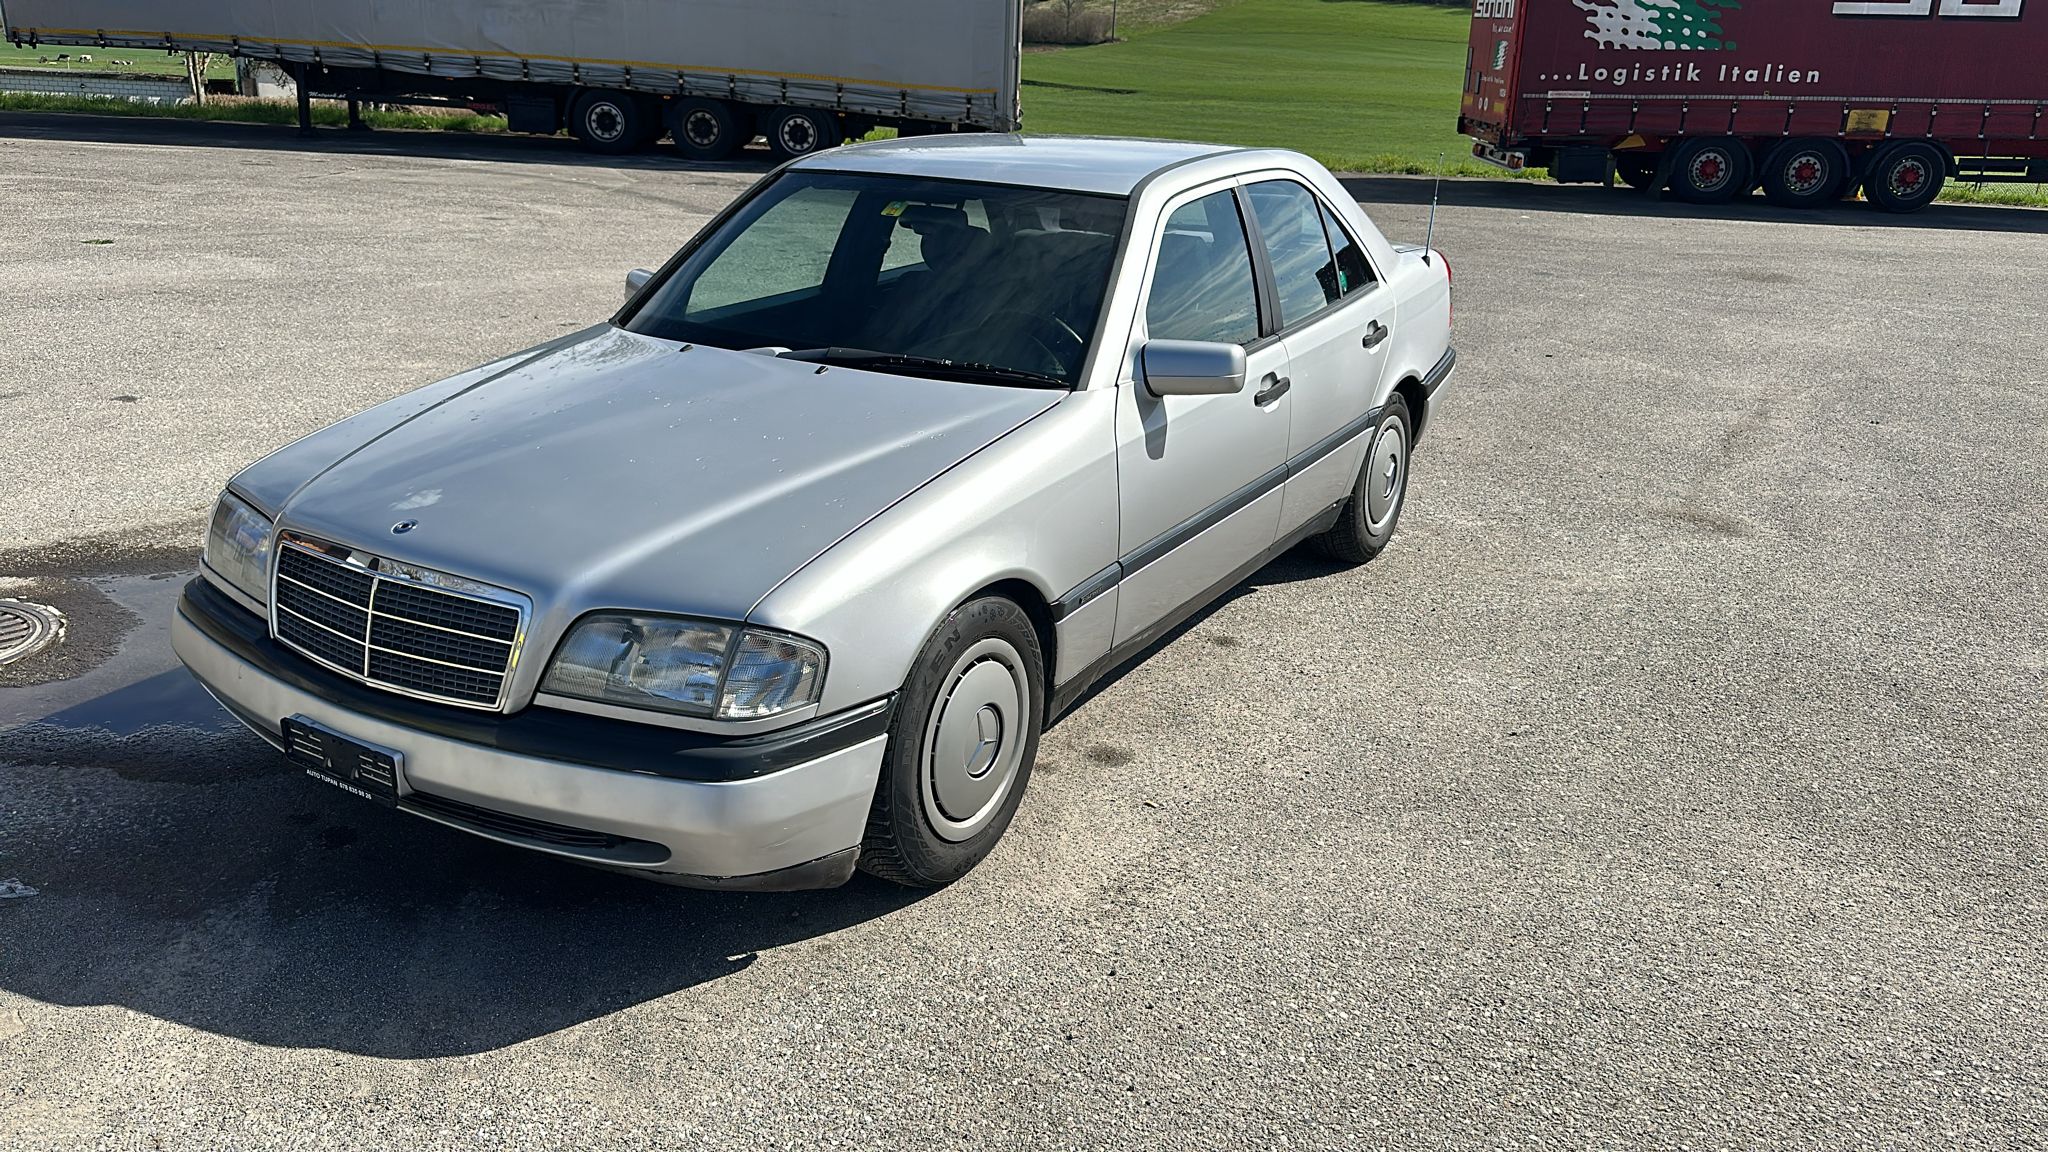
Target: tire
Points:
(1905, 176)
(1635, 169)
(794, 132)
(1805, 173)
(977, 696)
(612, 123)
(1711, 170)
(708, 130)
(1366, 522)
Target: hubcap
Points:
(1709, 171)
(797, 135)
(974, 744)
(1908, 176)
(1386, 468)
(701, 128)
(606, 121)
(1805, 173)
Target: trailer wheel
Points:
(1805, 173)
(609, 122)
(1905, 176)
(794, 132)
(1711, 170)
(708, 129)
(1635, 169)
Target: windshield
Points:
(920, 270)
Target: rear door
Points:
(1492, 57)
(1199, 477)
(1335, 321)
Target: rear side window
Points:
(1353, 273)
(1202, 284)
(1291, 227)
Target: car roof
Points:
(1100, 164)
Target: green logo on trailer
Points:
(1666, 25)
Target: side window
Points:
(1291, 225)
(1202, 284)
(1353, 273)
(787, 250)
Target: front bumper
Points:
(777, 811)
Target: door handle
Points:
(1273, 387)
(1374, 334)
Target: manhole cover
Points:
(26, 628)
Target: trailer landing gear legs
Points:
(355, 116)
(305, 100)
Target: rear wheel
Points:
(1805, 173)
(1367, 521)
(794, 132)
(708, 129)
(960, 747)
(609, 122)
(1906, 176)
(1711, 170)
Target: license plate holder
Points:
(363, 770)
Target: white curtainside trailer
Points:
(617, 73)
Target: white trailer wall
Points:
(953, 60)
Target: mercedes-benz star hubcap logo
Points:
(988, 725)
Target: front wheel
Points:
(1711, 171)
(610, 122)
(1367, 521)
(960, 747)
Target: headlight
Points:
(238, 547)
(695, 667)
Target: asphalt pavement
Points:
(1674, 781)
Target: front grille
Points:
(393, 632)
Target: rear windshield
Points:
(973, 273)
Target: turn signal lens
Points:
(771, 673)
(238, 547)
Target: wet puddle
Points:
(139, 686)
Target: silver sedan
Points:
(781, 571)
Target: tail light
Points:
(1450, 293)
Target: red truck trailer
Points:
(1810, 99)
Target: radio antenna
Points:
(1430, 234)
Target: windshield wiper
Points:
(925, 365)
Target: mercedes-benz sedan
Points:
(781, 571)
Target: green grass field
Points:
(139, 61)
(1361, 86)
(234, 109)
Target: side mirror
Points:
(1192, 367)
(636, 279)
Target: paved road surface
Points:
(1675, 781)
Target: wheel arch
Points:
(1038, 607)
(1410, 389)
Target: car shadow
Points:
(1290, 567)
(506, 149)
(182, 869)
(1543, 196)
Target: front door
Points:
(1199, 477)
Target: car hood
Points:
(625, 471)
